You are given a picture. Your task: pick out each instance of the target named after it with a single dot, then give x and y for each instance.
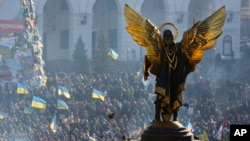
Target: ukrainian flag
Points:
(92, 138)
(38, 103)
(113, 54)
(145, 126)
(22, 88)
(61, 104)
(189, 127)
(26, 3)
(27, 110)
(218, 135)
(205, 136)
(3, 115)
(63, 91)
(53, 124)
(98, 94)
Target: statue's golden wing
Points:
(202, 36)
(144, 33)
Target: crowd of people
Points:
(127, 96)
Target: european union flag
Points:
(63, 91)
(61, 104)
(22, 88)
(98, 94)
(38, 102)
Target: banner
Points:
(5, 74)
(8, 41)
(12, 26)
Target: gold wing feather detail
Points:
(144, 33)
(202, 36)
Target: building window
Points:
(112, 38)
(158, 5)
(112, 5)
(227, 45)
(64, 5)
(94, 39)
(64, 39)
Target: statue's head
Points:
(168, 37)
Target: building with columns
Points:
(61, 22)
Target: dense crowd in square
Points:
(128, 96)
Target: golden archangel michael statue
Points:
(171, 62)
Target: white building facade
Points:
(61, 22)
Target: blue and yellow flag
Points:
(38, 103)
(113, 54)
(3, 115)
(61, 104)
(204, 136)
(145, 126)
(218, 135)
(98, 94)
(63, 91)
(22, 88)
(138, 73)
(26, 3)
(53, 124)
(27, 110)
(189, 127)
(92, 138)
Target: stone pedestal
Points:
(166, 131)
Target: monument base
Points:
(167, 131)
